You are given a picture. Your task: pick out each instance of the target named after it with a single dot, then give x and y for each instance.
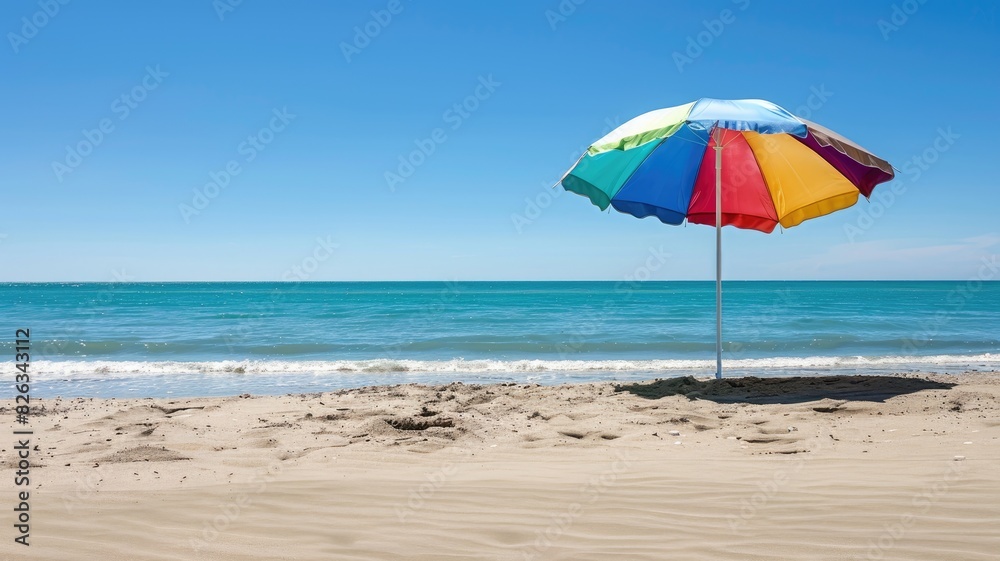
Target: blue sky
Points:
(118, 116)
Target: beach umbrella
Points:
(745, 163)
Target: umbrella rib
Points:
(732, 140)
(570, 170)
(691, 141)
(635, 169)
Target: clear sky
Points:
(227, 140)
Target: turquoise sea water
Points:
(155, 339)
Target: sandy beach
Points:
(795, 468)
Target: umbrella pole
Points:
(718, 253)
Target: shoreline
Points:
(133, 380)
(788, 468)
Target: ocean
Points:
(200, 339)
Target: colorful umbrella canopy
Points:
(746, 163)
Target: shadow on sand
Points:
(796, 389)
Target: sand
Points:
(859, 467)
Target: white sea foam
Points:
(102, 369)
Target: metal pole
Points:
(718, 252)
